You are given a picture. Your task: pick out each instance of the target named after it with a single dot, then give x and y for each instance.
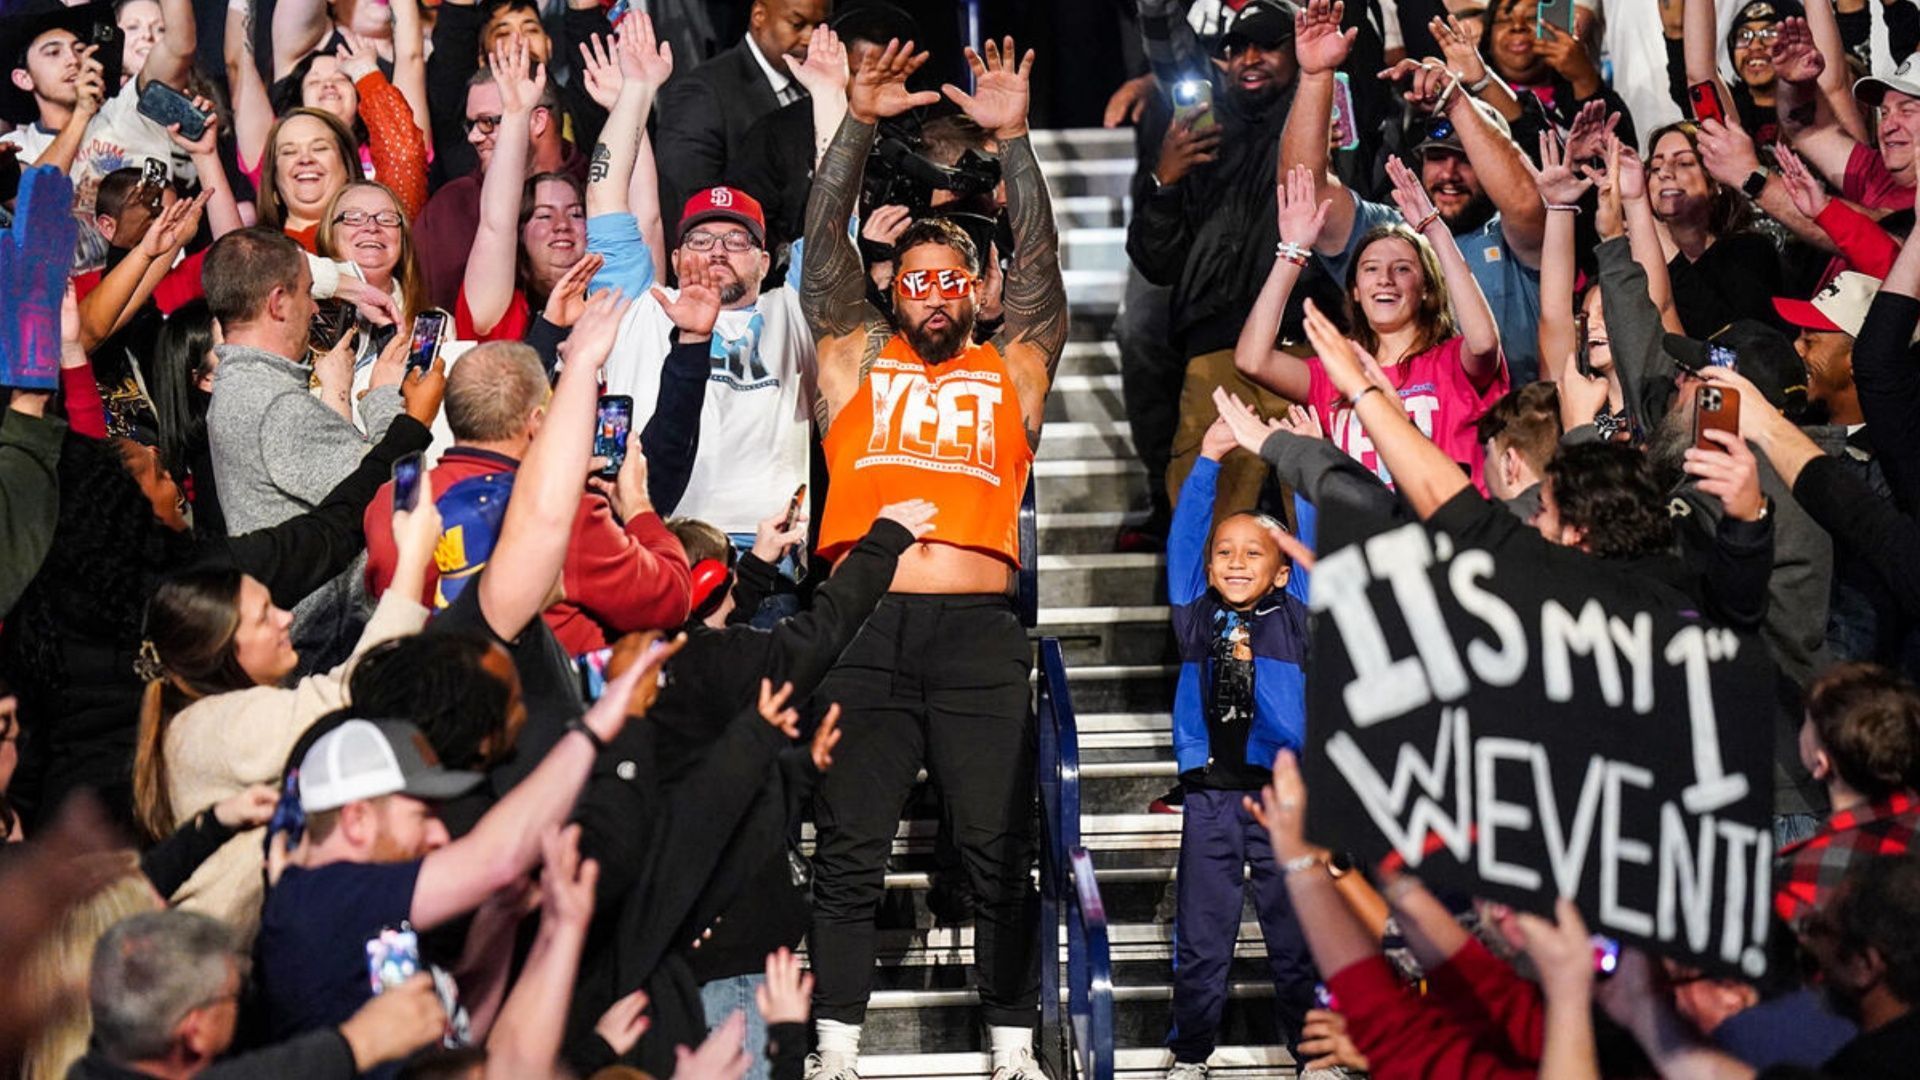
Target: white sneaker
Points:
(1187, 1070)
(1023, 1068)
(831, 1067)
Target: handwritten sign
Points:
(1523, 721)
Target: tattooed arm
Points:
(1035, 296)
(847, 330)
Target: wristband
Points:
(1565, 208)
(1354, 401)
(1300, 862)
(1432, 216)
(580, 725)
(1293, 253)
(1486, 80)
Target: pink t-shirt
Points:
(1437, 394)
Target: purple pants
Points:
(1219, 840)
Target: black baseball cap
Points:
(19, 28)
(1764, 355)
(1265, 23)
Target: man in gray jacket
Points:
(277, 447)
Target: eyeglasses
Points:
(485, 124)
(1762, 36)
(951, 284)
(353, 219)
(734, 241)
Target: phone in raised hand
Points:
(793, 507)
(612, 422)
(429, 330)
(406, 482)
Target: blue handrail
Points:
(1067, 885)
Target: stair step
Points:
(1085, 398)
(1090, 358)
(1114, 484)
(1094, 292)
(1085, 247)
(1092, 211)
(1122, 687)
(1056, 144)
(1098, 832)
(1080, 579)
(1129, 1063)
(1118, 634)
(1127, 943)
(1085, 531)
(1086, 439)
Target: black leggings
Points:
(939, 681)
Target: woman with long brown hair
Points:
(219, 713)
(310, 156)
(366, 224)
(1405, 287)
(1720, 271)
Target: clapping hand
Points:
(999, 99)
(879, 88)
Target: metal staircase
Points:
(1108, 612)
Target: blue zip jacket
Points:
(1279, 628)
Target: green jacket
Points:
(29, 498)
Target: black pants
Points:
(939, 681)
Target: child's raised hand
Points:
(1218, 442)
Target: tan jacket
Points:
(219, 745)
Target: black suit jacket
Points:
(775, 166)
(704, 119)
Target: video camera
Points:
(898, 175)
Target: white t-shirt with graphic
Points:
(756, 421)
(117, 137)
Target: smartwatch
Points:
(1756, 182)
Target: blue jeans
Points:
(721, 998)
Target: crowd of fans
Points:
(418, 658)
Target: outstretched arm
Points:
(847, 330)
(1481, 356)
(491, 269)
(1700, 43)
(252, 113)
(171, 59)
(1301, 217)
(1321, 48)
(1035, 295)
(298, 28)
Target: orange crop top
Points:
(952, 434)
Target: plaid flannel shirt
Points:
(1805, 871)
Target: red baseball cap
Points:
(726, 204)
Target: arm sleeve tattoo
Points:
(1035, 296)
(833, 291)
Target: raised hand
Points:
(785, 996)
(357, 60)
(633, 681)
(1795, 57)
(521, 81)
(591, 340)
(625, 1020)
(207, 144)
(774, 710)
(721, 1057)
(879, 88)
(697, 307)
(1581, 396)
(1249, 431)
(1282, 808)
(1587, 138)
(1318, 42)
(1727, 152)
(1557, 183)
(1561, 950)
(644, 58)
(999, 99)
(1623, 163)
(176, 226)
(824, 71)
(1299, 420)
(566, 880)
(1337, 355)
(1809, 195)
(1568, 57)
(1129, 103)
(770, 540)
(601, 74)
(1428, 82)
(884, 224)
(569, 296)
(250, 806)
(1457, 46)
(422, 390)
(1185, 147)
(825, 738)
(1218, 442)
(1415, 204)
(90, 87)
(34, 257)
(1729, 474)
(1301, 215)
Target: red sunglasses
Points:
(950, 284)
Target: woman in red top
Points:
(349, 85)
(531, 232)
(310, 157)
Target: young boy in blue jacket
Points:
(1240, 619)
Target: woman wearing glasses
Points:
(1413, 308)
(531, 231)
(367, 225)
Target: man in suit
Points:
(704, 116)
(775, 159)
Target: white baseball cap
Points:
(1905, 79)
(365, 759)
(1839, 307)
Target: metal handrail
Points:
(1083, 1038)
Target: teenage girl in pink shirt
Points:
(1413, 307)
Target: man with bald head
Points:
(624, 570)
(705, 114)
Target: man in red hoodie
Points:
(617, 579)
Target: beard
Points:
(939, 346)
(1667, 445)
(732, 293)
(1478, 211)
